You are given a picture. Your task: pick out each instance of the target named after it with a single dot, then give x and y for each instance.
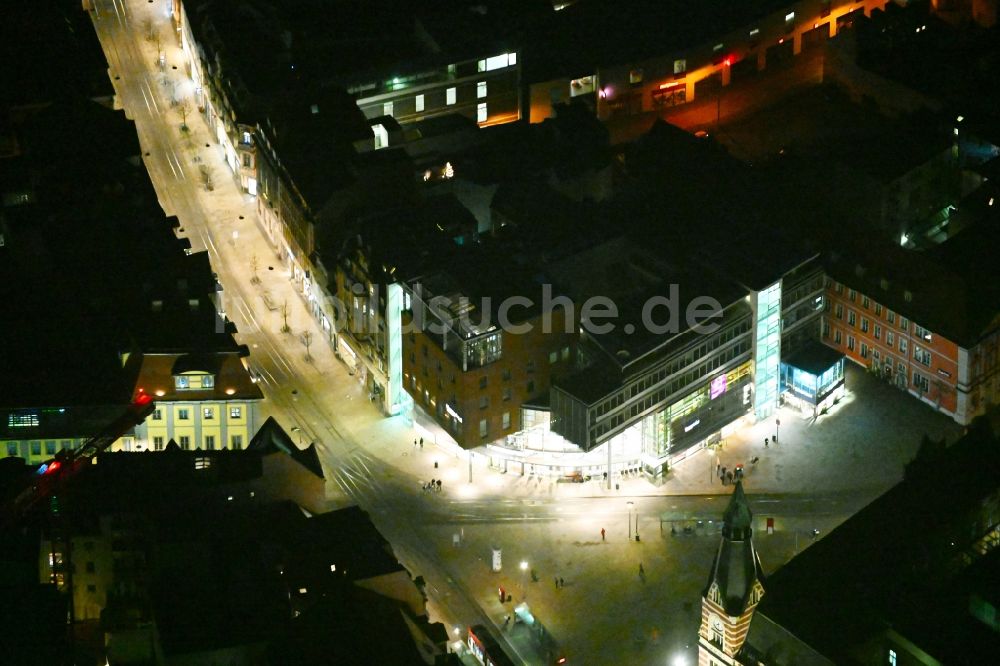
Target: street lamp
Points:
(630, 504)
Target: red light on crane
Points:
(728, 61)
(53, 467)
(143, 399)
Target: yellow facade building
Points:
(205, 401)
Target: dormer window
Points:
(208, 381)
(182, 382)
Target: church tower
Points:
(735, 586)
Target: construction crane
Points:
(50, 476)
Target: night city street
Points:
(500, 333)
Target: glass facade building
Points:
(767, 349)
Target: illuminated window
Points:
(450, 96)
(922, 356)
(481, 113)
(718, 47)
(497, 62)
(419, 103)
(484, 427)
(680, 66)
(387, 109)
(754, 33)
(892, 658)
(208, 413)
(182, 382)
(635, 76)
(22, 420)
(506, 420)
(235, 412)
(481, 90)
(789, 17)
(208, 381)
(381, 136)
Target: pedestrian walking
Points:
(602, 534)
(414, 442)
(562, 583)
(718, 467)
(421, 442)
(557, 582)
(439, 485)
(766, 440)
(642, 572)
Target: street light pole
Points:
(630, 504)
(777, 424)
(470, 466)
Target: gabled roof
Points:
(272, 438)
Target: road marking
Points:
(152, 95)
(146, 99)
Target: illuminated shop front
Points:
(698, 415)
(812, 378)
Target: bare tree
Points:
(254, 265)
(184, 109)
(284, 317)
(307, 338)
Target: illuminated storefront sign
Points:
(718, 387)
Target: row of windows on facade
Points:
(853, 294)
(208, 441)
(919, 380)
(635, 76)
(401, 82)
(50, 446)
(207, 413)
(904, 323)
(554, 357)
(677, 364)
(184, 382)
(417, 389)
(450, 99)
(920, 354)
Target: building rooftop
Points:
(576, 40)
(272, 438)
(814, 357)
(672, 200)
(907, 562)
(232, 379)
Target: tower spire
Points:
(735, 584)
